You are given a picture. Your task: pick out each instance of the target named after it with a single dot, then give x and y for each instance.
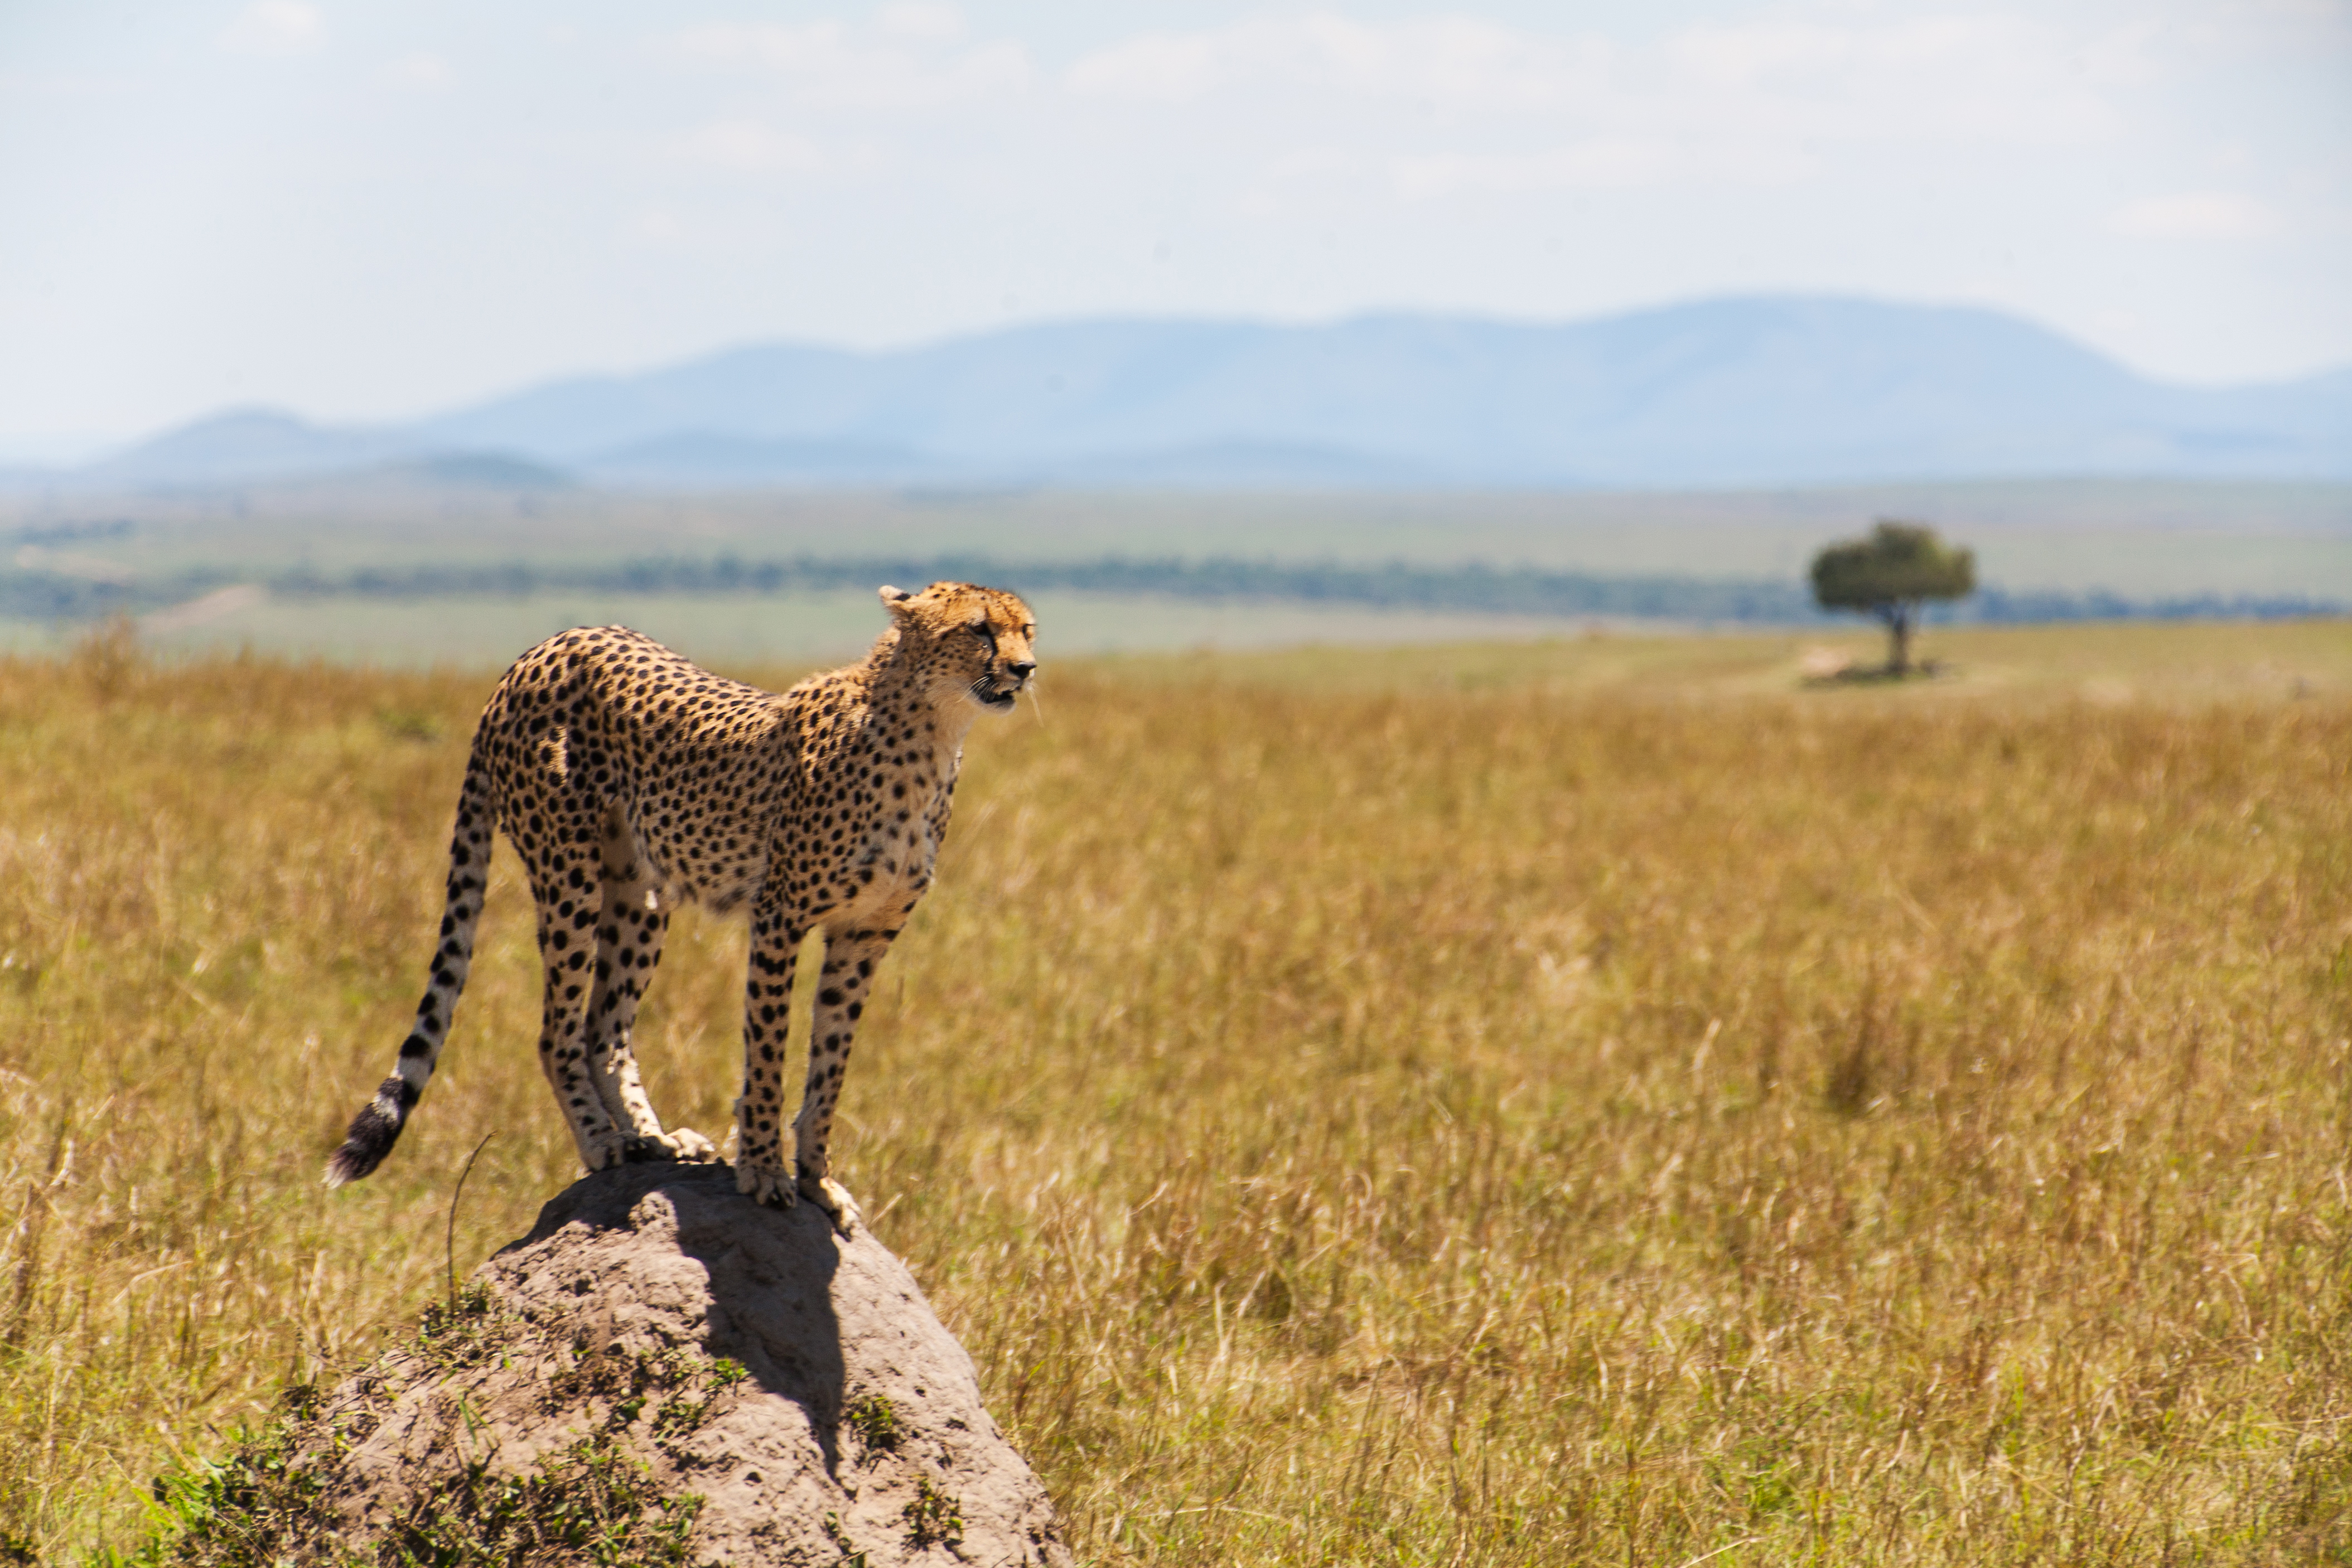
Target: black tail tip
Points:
(349, 1163)
(371, 1135)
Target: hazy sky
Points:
(364, 209)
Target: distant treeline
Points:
(1474, 586)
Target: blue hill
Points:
(1773, 391)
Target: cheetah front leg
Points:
(843, 986)
(760, 1167)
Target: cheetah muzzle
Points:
(632, 782)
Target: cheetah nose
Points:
(1022, 668)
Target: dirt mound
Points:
(661, 1371)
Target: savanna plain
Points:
(1591, 1101)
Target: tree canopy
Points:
(1889, 574)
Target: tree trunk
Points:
(1898, 618)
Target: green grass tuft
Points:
(876, 1422)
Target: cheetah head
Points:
(967, 637)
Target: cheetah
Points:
(633, 782)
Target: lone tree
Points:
(1890, 574)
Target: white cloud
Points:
(1460, 102)
(1966, 79)
(2196, 214)
(1985, 70)
(1455, 60)
(924, 23)
(1597, 163)
(419, 73)
(1161, 67)
(749, 147)
(910, 61)
(276, 27)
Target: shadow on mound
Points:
(759, 1282)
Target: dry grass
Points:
(1468, 1121)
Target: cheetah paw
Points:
(691, 1145)
(678, 1144)
(764, 1185)
(834, 1198)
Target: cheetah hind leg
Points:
(630, 928)
(556, 842)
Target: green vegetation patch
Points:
(283, 1492)
(875, 1421)
(934, 1518)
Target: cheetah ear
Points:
(894, 600)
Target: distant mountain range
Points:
(1774, 391)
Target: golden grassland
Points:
(1597, 1102)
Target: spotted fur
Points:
(632, 782)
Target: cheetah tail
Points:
(377, 1126)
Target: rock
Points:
(657, 1336)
